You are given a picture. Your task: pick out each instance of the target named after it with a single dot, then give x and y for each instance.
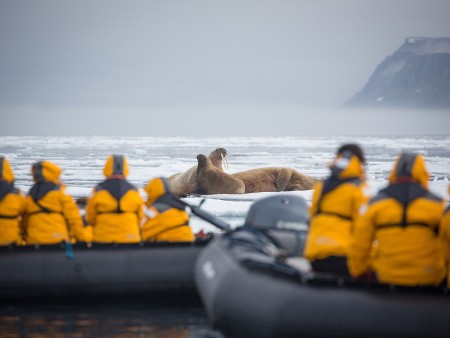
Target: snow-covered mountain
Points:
(416, 76)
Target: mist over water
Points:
(226, 120)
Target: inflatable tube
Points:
(249, 294)
(103, 269)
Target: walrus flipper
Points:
(283, 178)
(301, 182)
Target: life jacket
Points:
(116, 170)
(405, 194)
(158, 192)
(7, 184)
(346, 168)
(38, 191)
(5, 189)
(46, 175)
(330, 184)
(117, 188)
(408, 182)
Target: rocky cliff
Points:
(416, 76)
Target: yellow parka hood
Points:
(46, 170)
(116, 165)
(156, 188)
(345, 166)
(6, 172)
(410, 166)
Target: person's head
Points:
(351, 149)
(156, 188)
(46, 171)
(6, 173)
(349, 161)
(116, 166)
(410, 167)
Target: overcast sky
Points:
(185, 67)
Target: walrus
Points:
(184, 184)
(273, 179)
(211, 180)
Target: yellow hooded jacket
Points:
(12, 204)
(115, 207)
(51, 215)
(444, 233)
(334, 209)
(164, 222)
(403, 220)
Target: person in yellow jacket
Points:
(164, 222)
(115, 208)
(403, 220)
(12, 203)
(51, 215)
(444, 233)
(334, 210)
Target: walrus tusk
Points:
(225, 160)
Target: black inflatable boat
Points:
(251, 286)
(102, 269)
(66, 271)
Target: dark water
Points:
(170, 318)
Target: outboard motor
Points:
(284, 219)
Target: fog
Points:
(226, 121)
(185, 67)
